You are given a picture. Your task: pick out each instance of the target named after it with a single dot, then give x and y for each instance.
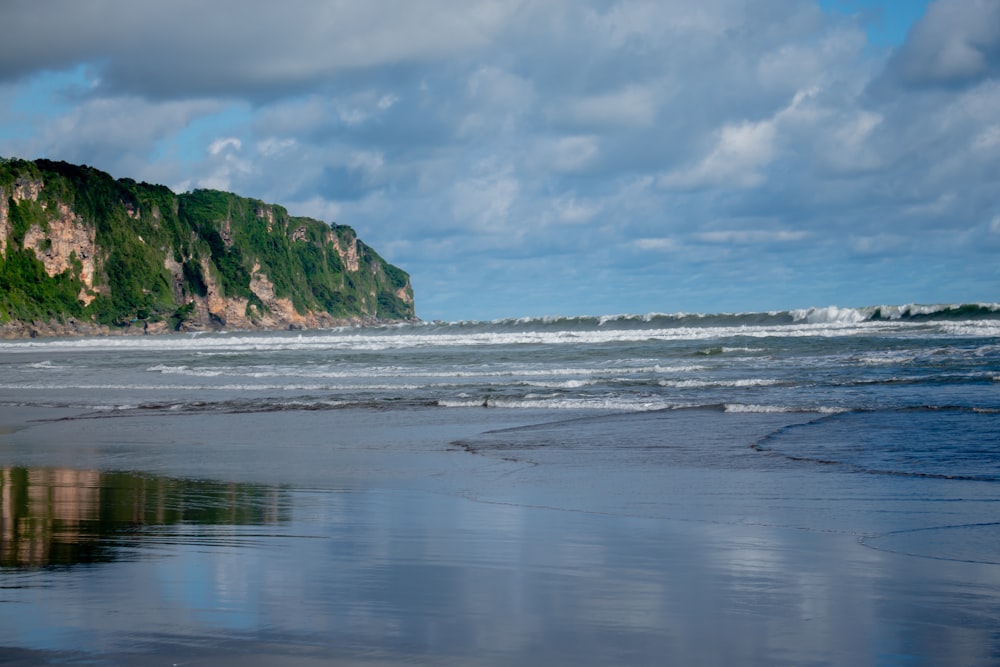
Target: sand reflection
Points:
(63, 516)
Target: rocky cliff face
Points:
(67, 239)
(83, 253)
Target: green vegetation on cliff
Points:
(77, 244)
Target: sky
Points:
(556, 157)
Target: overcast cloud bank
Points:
(549, 156)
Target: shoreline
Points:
(74, 328)
(314, 536)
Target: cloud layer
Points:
(553, 156)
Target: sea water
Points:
(816, 486)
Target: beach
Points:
(402, 549)
(197, 519)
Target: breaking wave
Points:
(908, 312)
(981, 319)
(816, 315)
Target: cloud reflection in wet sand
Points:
(249, 573)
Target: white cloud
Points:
(800, 65)
(386, 102)
(936, 207)
(849, 144)
(631, 23)
(497, 100)
(223, 143)
(225, 165)
(988, 139)
(360, 107)
(370, 161)
(297, 116)
(570, 210)
(880, 244)
(499, 89)
(632, 106)
(272, 146)
(105, 132)
(484, 202)
(569, 154)
(752, 236)
(655, 244)
(737, 159)
(805, 129)
(318, 208)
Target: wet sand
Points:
(474, 537)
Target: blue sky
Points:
(557, 157)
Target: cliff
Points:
(84, 253)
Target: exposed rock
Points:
(26, 189)
(405, 293)
(348, 251)
(176, 277)
(217, 307)
(265, 212)
(226, 232)
(67, 238)
(4, 224)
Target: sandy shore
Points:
(466, 537)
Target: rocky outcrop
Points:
(68, 244)
(347, 248)
(123, 257)
(265, 213)
(22, 189)
(405, 293)
(4, 224)
(26, 189)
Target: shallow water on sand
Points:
(487, 537)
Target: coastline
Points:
(74, 328)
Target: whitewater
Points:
(821, 359)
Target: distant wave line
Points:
(412, 339)
(389, 372)
(812, 315)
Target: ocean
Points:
(817, 486)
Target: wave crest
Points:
(911, 311)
